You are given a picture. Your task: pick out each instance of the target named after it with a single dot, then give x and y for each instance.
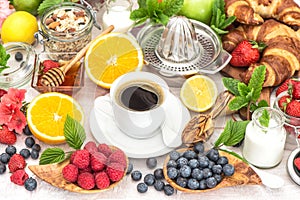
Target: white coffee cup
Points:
(139, 124)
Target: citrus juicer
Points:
(182, 47)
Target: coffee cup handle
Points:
(101, 109)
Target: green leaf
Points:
(262, 103)
(138, 14)
(264, 119)
(257, 80)
(231, 85)
(47, 4)
(74, 133)
(235, 154)
(243, 89)
(3, 58)
(237, 133)
(52, 155)
(171, 7)
(142, 3)
(152, 6)
(218, 31)
(237, 103)
(163, 19)
(225, 135)
(227, 22)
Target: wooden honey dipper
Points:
(56, 76)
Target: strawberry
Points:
(246, 53)
(283, 101)
(49, 64)
(293, 108)
(296, 89)
(297, 163)
(283, 87)
(7, 136)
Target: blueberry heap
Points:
(196, 169)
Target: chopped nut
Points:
(53, 25)
(79, 13)
(48, 21)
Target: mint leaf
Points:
(74, 133)
(171, 7)
(162, 18)
(139, 15)
(238, 103)
(3, 58)
(152, 6)
(257, 80)
(142, 3)
(52, 155)
(235, 154)
(231, 85)
(225, 135)
(264, 119)
(243, 89)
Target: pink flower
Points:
(5, 11)
(17, 122)
(14, 96)
(6, 112)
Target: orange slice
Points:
(111, 56)
(46, 115)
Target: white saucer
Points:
(105, 130)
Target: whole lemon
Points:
(19, 27)
(30, 6)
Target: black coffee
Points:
(140, 96)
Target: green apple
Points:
(200, 10)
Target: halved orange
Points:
(111, 56)
(46, 115)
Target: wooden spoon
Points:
(56, 76)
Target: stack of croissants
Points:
(273, 22)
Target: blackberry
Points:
(172, 172)
(18, 56)
(27, 131)
(211, 182)
(193, 163)
(197, 174)
(36, 147)
(185, 171)
(4, 158)
(193, 184)
(151, 163)
(218, 177)
(189, 154)
(30, 184)
(2, 168)
(136, 175)
(182, 182)
(142, 187)
(159, 174)
(202, 184)
(217, 169)
(10, 150)
(207, 173)
(25, 153)
(199, 147)
(129, 168)
(149, 179)
(29, 142)
(174, 155)
(34, 154)
(228, 170)
(213, 155)
(222, 160)
(181, 162)
(172, 163)
(203, 161)
(168, 190)
(159, 185)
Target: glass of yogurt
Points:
(264, 146)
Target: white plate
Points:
(105, 130)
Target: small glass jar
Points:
(264, 146)
(117, 13)
(66, 27)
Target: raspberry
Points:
(19, 177)
(98, 161)
(102, 180)
(115, 171)
(118, 156)
(91, 147)
(86, 180)
(105, 149)
(16, 162)
(297, 163)
(49, 64)
(7, 136)
(88, 169)
(81, 158)
(70, 173)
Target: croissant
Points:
(253, 12)
(281, 56)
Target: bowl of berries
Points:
(74, 78)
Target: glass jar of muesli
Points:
(66, 27)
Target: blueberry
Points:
(159, 185)
(168, 190)
(228, 170)
(185, 171)
(202, 184)
(171, 163)
(34, 154)
(29, 142)
(193, 184)
(207, 173)
(4, 158)
(149, 179)
(36, 147)
(211, 164)
(222, 160)
(136, 175)
(27, 131)
(129, 168)
(25, 153)
(172, 172)
(211, 182)
(159, 174)
(217, 169)
(30, 184)
(151, 163)
(174, 155)
(193, 163)
(142, 187)
(2, 168)
(199, 147)
(189, 154)
(182, 182)
(181, 162)
(218, 177)
(197, 174)
(213, 155)
(19, 56)
(203, 161)
(11, 150)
